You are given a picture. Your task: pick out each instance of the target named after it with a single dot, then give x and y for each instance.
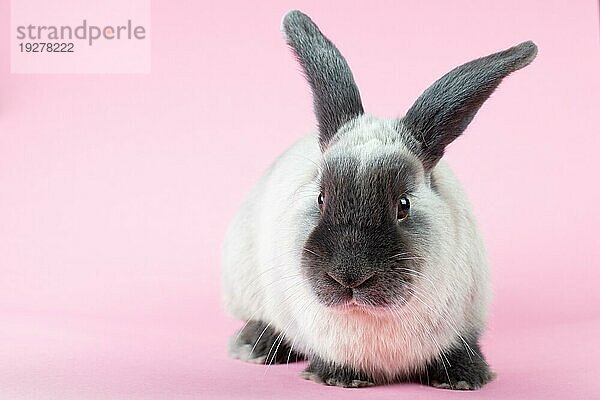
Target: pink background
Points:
(115, 191)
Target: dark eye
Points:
(320, 200)
(403, 207)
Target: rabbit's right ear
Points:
(335, 95)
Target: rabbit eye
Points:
(320, 200)
(403, 208)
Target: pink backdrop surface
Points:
(115, 191)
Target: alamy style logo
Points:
(80, 38)
(86, 32)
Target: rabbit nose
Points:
(350, 281)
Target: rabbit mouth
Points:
(354, 305)
(370, 300)
(360, 308)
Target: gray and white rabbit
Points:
(358, 250)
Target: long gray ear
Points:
(335, 95)
(444, 110)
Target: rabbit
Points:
(358, 250)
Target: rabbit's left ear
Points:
(444, 110)
(335, 95)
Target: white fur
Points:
(263, 280)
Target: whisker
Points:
(312, 252)
(258, 310)
(270, 322)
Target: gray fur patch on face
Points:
(359, 251)
(365, 192)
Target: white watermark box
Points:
(80, 36)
